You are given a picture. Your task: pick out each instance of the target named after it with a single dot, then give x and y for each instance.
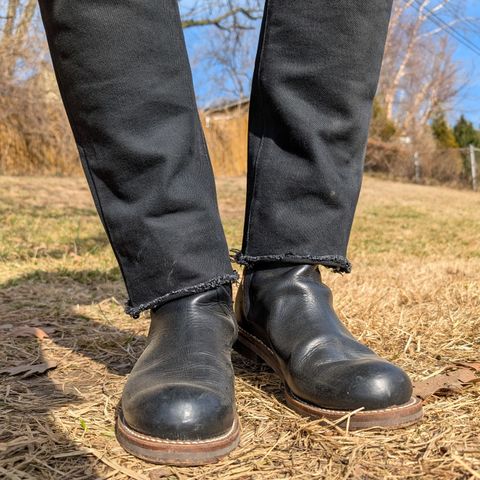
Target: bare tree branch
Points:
(418, 71)
(219, 20)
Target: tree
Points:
(15, 35)
(442, 131)
(380, 126)
(226, 49)
(465, 133)
(222, 14)
(224, 55)
(419, 75)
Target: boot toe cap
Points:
(348, 385)
(178, 412)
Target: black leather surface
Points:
(290, 310)
(181, 387)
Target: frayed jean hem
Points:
(135, 311)
(337, 263)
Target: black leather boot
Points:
(178, 405)
(286, 318)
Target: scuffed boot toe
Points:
(178, 412)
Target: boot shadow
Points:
(28, 422)
(27, 301)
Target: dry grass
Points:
(414, 295)
(39, 141)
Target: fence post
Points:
(416, 163)
(473, 165)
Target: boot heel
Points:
(243, 350)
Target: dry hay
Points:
(418, 308)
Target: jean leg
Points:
(125, 80)
(316, 73)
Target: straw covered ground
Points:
(413, 295)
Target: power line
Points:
(468, 21)
(434, 18)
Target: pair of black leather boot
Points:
(178, 405)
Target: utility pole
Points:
(473, 165)
(416, 164)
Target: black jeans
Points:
(125, 80)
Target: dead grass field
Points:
(413, 295)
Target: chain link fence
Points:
(458, 167)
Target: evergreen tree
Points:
(381, 127)
(442, 131)
(465, 133)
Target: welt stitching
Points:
(346, 412)
(182, 442)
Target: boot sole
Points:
(397, 416)
(176, 452)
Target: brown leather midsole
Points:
(176, 452)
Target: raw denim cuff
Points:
(135, 310)
(337, 263)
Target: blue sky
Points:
(469, 99)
